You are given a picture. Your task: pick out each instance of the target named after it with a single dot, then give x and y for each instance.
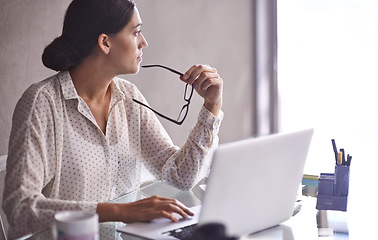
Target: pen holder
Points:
(333, 189)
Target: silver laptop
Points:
(253, 185)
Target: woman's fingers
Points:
(208, 85)
(205, 80)
(176, 206)
(195, 71)
(166, 207)
(202, 77)
(155, 207)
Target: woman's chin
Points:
(134, 70)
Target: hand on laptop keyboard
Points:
(149, 209)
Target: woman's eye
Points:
(138, 32)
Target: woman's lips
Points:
(140, 57)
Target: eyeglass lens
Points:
(183, 113)
(188, 94)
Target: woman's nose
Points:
(143, 43)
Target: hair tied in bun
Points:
(69, 46)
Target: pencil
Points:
(340, 158)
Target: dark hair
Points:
(84, 21)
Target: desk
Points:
(302, 226)
(108, 229)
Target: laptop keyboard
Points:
(183, 233)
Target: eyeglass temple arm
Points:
(169, 69)
(159, 114)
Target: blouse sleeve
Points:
(180, 167)
(31, 167)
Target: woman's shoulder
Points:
(42, 92)
(48, 85)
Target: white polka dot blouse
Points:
(59, 158)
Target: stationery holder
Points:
(333, 189)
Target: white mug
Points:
(76, 225)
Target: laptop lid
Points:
(253, 183)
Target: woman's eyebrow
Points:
(138, 25)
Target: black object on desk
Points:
(214, 231)
(209, 231)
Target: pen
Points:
(335, 149)
(349, 159)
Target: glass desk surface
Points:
(108, 230)
(302, 226)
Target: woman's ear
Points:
(103, 42)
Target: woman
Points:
(78, 140)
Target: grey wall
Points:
(179, 33)
(26, 28)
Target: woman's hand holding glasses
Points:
(208, 84)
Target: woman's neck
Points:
(92, 83)
(91, 80)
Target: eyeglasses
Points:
(187, 97)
